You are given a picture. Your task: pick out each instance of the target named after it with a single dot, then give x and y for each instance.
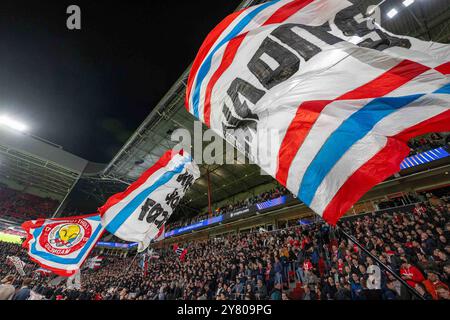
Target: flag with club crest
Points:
(61, 245)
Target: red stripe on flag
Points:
(183, 254)
(309, 111)
(34, 224)
(304, 119)
(233, 45)
(205, 48)
(383, 165)
(162, 162)
(443, 68)
(392, 79)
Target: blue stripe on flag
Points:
(206, 65)
(340, 141)
(61, 260)
(124, 214)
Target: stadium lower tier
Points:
(303, 262)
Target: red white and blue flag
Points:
(62, 245)
(180, 252)
(138, 213)
(94, 263)
(319, 95)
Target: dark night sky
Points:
(89, 90)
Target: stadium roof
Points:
(428, 20)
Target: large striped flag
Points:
(138, 213)
(319, 95)
(61, 245)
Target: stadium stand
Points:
(18, 206)
(310, 262)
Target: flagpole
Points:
(352, 239)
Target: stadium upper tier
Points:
(37, 165)
(153, 137)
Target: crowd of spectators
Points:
(19, 206)
(305, 262)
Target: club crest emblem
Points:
(63, 238)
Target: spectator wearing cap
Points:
(7, 289)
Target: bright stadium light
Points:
(392, 13)
(13, 124)
(407, 3)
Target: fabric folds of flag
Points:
(61, 245)
(319, 95)
(138, 213)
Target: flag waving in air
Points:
(161, 234)
(18, 264)
(138, 213)
(62, 245)
(94, 263)
(319, 95)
